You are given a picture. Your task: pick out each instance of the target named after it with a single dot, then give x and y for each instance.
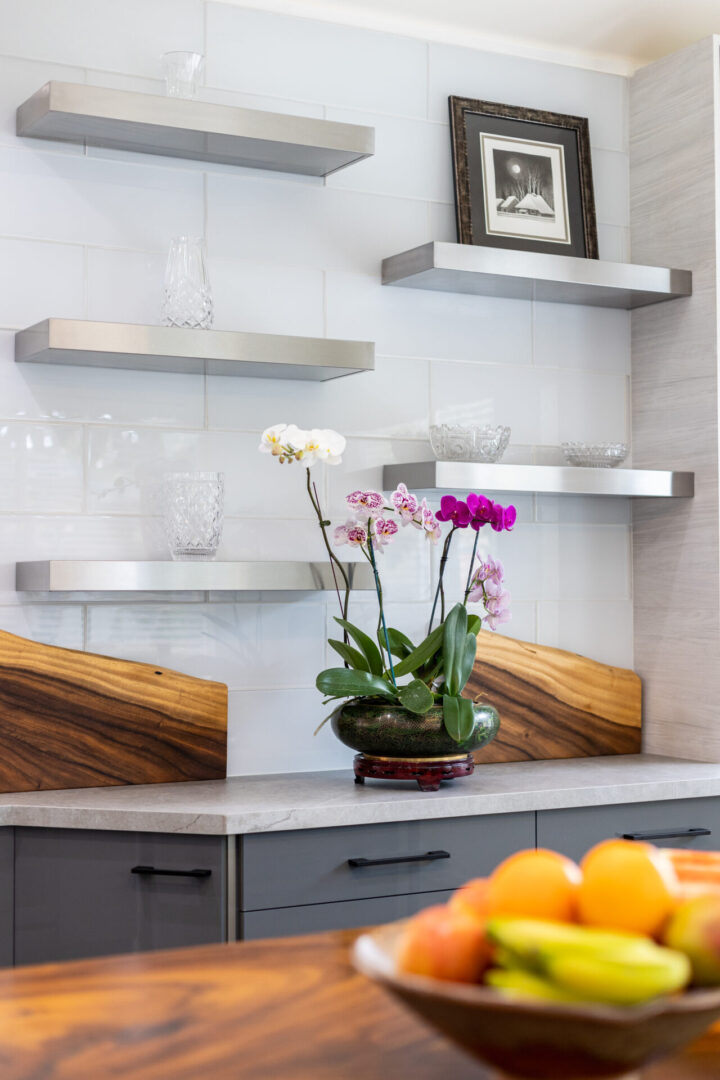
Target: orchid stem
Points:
(439, 591)
(470, 571)
(380, 602)
(334, 561)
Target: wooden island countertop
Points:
(286, 1009)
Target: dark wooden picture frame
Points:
(555, 166)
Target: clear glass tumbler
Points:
(182, 73)
(193, 514)
(188, 297)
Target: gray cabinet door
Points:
(6, 897)
(313, 866)
(76, 894)
(574, 831)
(312, 918)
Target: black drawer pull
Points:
(674, 834)
(148, 870)
(429, 856)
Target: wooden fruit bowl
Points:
(534, 1040)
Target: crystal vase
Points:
(193, 514)
(188, 299)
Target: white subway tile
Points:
(582, 510)
(392, 401)
(39, 280)
(263, 646)
(264, 53)
(271, 731)
(555, 405)
(266, 298)
(414, 322)
(27, 537)
(533, 84)
(276, 221)
(59, 392)
(552, 562)
(125, 286)
(52, 624)
(86, 200)
(611, 179)
(600, 630)
(412, 158)
(41, 467)
(126, 466)
(614, 242)
(103, 34)
(585, 338)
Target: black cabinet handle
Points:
(673, 834)
(148, 870)
(429, 856)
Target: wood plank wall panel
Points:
(676, 580)
(553, 703)
(74, 719)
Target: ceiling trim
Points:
(437, 31)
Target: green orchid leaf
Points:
(344, 683)
(422, 654)
(458, 717)
(454, 635)
(354, 658)
(400, 644)
(366, 646)
(474, 624)
(416, 697)
(467, 660)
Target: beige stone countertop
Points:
(279, 802)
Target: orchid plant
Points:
(393, 668)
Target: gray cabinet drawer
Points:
(574, 831)
(345, 915)
(75, 894)
(6, 897)
(288, 869)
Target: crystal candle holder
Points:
(188, 299)
(193, 514)
(182, 73)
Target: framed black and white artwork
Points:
(523, 178)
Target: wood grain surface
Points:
(287, 1009)
(74, 719)
(554, 704)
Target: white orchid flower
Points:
(272, 439)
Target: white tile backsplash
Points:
(85, 235)
(338, 65)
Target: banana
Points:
(618, 978)
(523, 943)
(523, 984)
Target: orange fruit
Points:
(445, 944)
(472, 898)
(629, 886)
(535, 884)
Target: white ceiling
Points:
(611, 35)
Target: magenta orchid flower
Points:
(455, 511)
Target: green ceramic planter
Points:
(381, 730)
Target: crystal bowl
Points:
(539, 1040)
(601, 455)
(459, 442)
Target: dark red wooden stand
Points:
(428, 774)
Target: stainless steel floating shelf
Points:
(529, 275)
(444, 476)
(211, 352)
(174, 127)
(79, 576)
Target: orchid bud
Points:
(276, 450)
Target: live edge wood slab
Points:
(74, 719)
(554, 704)
(286, 1009)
